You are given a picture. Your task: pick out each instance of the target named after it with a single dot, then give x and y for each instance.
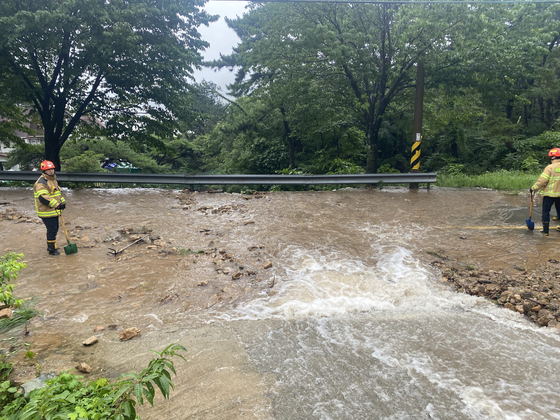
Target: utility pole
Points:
(417, 125)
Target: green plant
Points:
(8, 394)
(387, 169)
(10, 266)
(19, 317)
(68, 397)
(5, 368)
(531, 165)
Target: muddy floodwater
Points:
(291, 305)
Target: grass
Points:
(501, 180)
(20, 317)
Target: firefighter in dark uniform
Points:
(49, 202)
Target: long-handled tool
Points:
(530, 223)
(115, 252)
(70, 248)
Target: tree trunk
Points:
(289, 137)
(52, 150)
(509, 109)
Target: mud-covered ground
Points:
(189, 254)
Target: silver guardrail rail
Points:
(125, 178)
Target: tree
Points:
(122, 66)
(364, 55)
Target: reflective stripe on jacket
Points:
(47, 196)
(549, 181)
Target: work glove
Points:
(61, 206)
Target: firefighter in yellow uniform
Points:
(549, 186)
(49, 202)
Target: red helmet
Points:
(46, 164)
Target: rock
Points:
(509, 306)
(267, 265)
(37, 383)
(236, 276)
(83, 367)
(129, 334)
(527, 307)
(6, 313)
(203, 283)
(99, 328)
(226, 270)
(553, 323)
(536, 308)
(90, 341)
(543, 313)
(272, 292)
(543, 321)
(520, 309)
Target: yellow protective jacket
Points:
(47, 196)
(549, 181)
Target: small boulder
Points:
(543, 321)
(236, 276)
(99, 328)
(90, 341)
(6, 313)
(510, 307)
(129, 334)
(267, 265)
(83, 367)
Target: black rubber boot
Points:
(51, 247)
(545, 226)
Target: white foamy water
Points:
(320, 284)
(382, 338)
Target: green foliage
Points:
(531, 165)
(5, 368)
(27, 156)
(387, 169)
(69, 397)
(8, 395)
(19, 317)
(80, 62)
(88, 161)
(500, 180)
(10, 266)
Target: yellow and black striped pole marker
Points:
(415, 159)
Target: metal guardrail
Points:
(120, 178)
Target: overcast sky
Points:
(221, 38)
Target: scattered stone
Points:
(36, 383)
(112, 326)
(129, 334)
(236, 276)
(203, 283)
(531, 293)
(509, 306)
(267, 265)
(99, 328)
(6, 313)
(92, 340)
(83, 367)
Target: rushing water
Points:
(359, 326)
